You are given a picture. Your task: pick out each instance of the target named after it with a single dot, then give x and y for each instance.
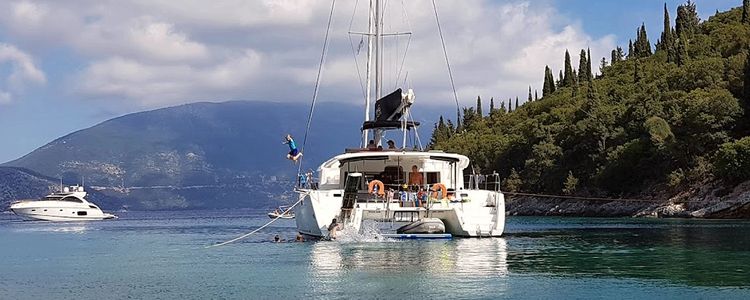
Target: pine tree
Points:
(492, 105)
(530, 96)
(642, 46)
(568, 79)
(602, 65)
(510, 105)
(687, 20)
(582, 65)
(502, 106)
(570, 184)
(536, 95)
(516, 102)
(617, 55)
(479, 106)
(746, 11)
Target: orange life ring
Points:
(439, 187)
(381, 187)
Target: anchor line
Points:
(258, 229)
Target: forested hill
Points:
(651, 118)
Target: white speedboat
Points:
(398, 184)
(68, 205)
(279, 213)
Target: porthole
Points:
(33, 210)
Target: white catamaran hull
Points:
(483, 217)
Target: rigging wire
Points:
(317, 85)
(356, 52)
(307, 131)
(447, 63)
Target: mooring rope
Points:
(258, 229)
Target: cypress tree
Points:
(582, 65)
(642, 46)
(502, 106)
(530, 96)
(548, 84)
(666, 35)
(630, 49)
(492, 105)
(536, 95)
(516, 102)
(589, 73)
(602, 65)
(510, 105)
(687, 20)
(682, 50)
(568, 79)
(746, 11)
(552, 86)
(479, 106)
(559, 80)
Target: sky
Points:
(68, 65)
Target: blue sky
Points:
(68, 66)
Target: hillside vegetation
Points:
(655, 118)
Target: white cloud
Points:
(23, 70)
(161, 52)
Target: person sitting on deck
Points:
(391, 144)
(371, 145)
(294, 153)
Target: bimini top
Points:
(392, 154)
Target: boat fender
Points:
(380, 185)
(439, 187)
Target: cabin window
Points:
(91, 206)
(433, 177)
(72, 199)
(82, 213)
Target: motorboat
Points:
(279, 213)
(69, 204)
(401, 183)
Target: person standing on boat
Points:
(294, 153)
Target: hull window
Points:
(82, 213)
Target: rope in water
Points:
(258, 229)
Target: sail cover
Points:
(388, 106)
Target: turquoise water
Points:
(160, 255)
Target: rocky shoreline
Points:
(708, 200)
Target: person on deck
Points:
(294, 153)
(391, 144)
(371, 145)
(415, 177)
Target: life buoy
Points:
(381, 187)
(441, 188)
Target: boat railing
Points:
(489, 182)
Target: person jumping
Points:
(294, 153)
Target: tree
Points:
(510, 105)
(570, 184)
(516, 102)
(746, 11)
(549, 84)
(682, 50)
(589, 71)
(568, 78)
(513, 182)
(617, 55)
(630, 49)
(536, 95)
(602, 65)
(530, 96)
(582, 66)
(492, 105)
(666, 35)
(479, 106)
(559, 80)
(642, 46)
(687, 20)
(502, 106)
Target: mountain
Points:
(201, 155)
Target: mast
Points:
(370, 22)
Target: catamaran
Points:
(405, 187)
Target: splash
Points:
(369, 233)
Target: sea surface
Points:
(162, 255)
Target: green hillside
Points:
(660, 116)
